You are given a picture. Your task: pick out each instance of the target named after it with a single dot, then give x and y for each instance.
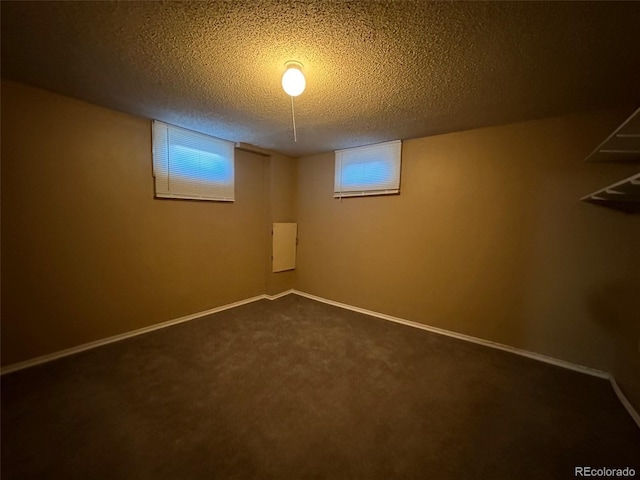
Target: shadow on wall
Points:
(615, 307)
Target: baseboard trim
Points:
(122, 336)
(487, 343)
(460, 336)
(625, 401)
(279, 295)
(525, 353)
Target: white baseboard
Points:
(116, 338)
(625, 402)
(278, 295)
(525, 353)
(518, 351)
(461, 336)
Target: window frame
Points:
(183, 188)
(390, 153)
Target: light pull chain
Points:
(293, 117)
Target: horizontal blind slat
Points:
(192, 165)
(371, 168)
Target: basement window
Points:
(191, 165)
(368, 170)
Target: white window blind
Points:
(191, 165)
(368, 170)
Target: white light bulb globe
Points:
(293, 81)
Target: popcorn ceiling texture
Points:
(375, 71)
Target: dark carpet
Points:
(296, 389)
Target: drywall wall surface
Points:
(281, 190)
(624, 310)
(87, 252)
(487, 237)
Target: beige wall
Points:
(86, 250)
(281, 188)
(487, 237)
(623, 308)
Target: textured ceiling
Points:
(375, 71)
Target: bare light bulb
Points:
(293, 81)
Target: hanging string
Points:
(293, 117)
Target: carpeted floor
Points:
(296, 389)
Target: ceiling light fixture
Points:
(293, 83)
